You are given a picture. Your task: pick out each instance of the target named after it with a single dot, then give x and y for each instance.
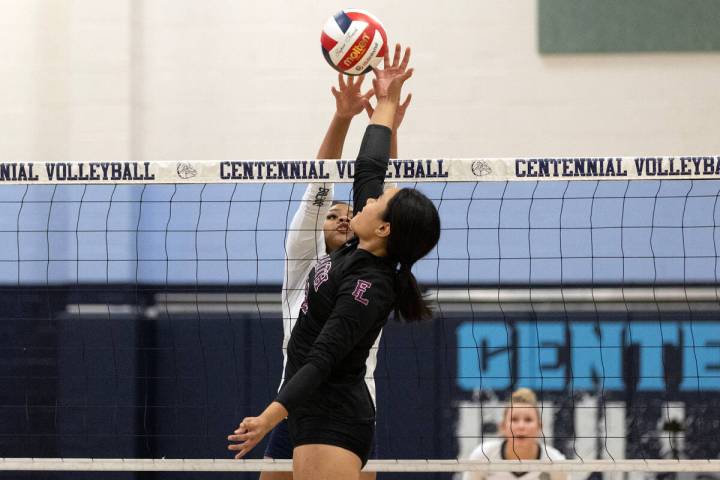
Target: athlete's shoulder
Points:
(359, 260)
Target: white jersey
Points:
(493, 450)
(304, 246)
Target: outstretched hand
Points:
(349, 101)
(388, 82)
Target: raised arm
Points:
(399, 116)
(349, 101)
(374, 153)
(305, 236)
(388, 84)
(371, 165)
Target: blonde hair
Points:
(523, 396)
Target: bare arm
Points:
(332, 144)
(349, 102)
(305, 232)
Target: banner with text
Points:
(401, 170)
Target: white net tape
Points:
(338, 171)
(223, 465)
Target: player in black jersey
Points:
(349, 296)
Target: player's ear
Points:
(383, 230)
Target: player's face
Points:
(337, 226)
(522, 424)
(365, 223)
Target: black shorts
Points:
(303, 430)
(354, 436)
(279, 445)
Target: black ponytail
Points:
(414, 231)
(410, 305)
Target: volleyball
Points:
(353, 41)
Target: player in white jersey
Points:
(521, 428)
(319, 227)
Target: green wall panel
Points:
(576, 26)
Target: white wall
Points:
(190, 79)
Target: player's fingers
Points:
(406, 59)
(396, 56)
(407, 74)
(341, 80)
(407, 101)
(245, 445)
(360, 80)
(245, 426)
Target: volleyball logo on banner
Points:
(353, 41)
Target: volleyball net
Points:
(141, 312)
